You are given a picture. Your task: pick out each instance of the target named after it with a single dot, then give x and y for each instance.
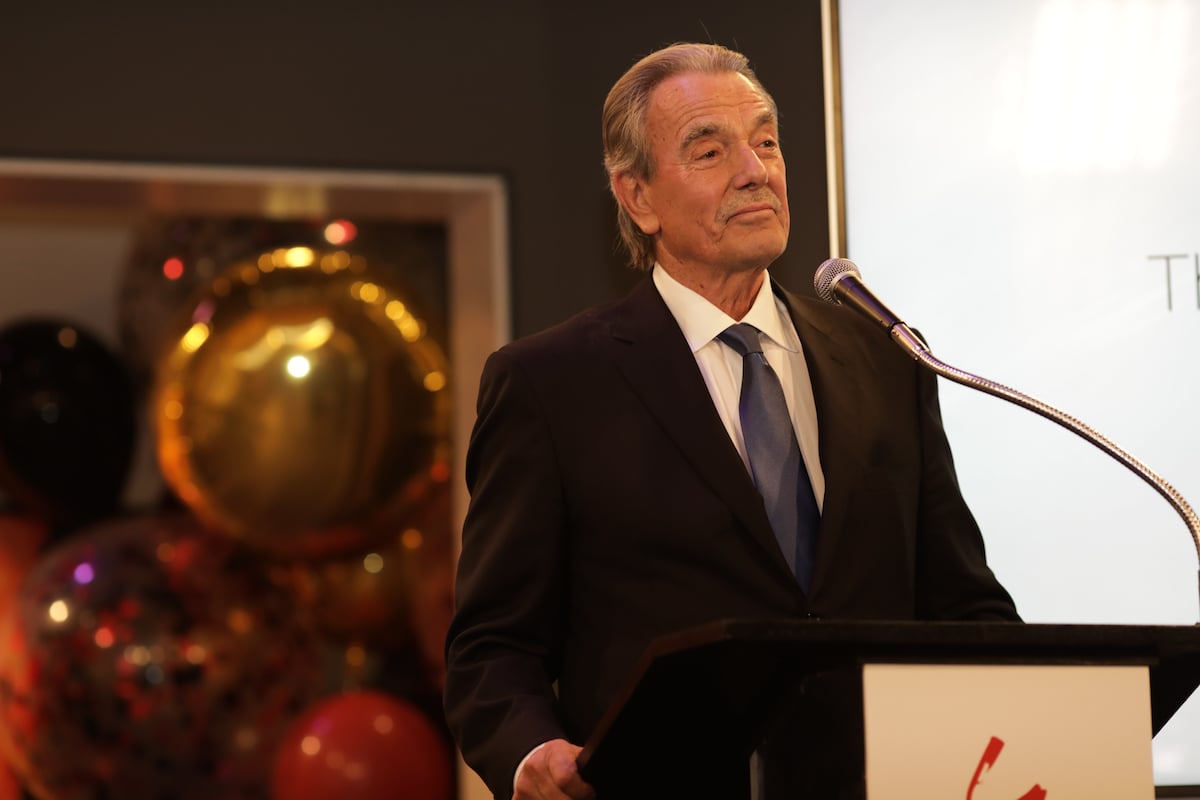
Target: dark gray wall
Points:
(513, 88)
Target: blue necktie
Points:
(775, 461)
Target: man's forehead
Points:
(685, 102)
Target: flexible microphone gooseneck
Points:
(838, 281)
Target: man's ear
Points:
(632, 194)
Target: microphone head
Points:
(829, 273)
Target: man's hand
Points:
(549, 773)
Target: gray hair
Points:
(624, 121)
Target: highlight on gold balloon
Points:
(301, 406)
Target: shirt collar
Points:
(701, 321)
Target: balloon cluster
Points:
(275, 628)
(142, 637)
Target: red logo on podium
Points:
(987, 760)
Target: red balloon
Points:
(367, 745)
(9, 789)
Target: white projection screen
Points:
(1022, 185)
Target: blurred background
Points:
(251, 259)
(227, 542)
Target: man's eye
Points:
(708, 154)
(770, 143)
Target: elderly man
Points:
(621, 483)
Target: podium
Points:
(700, 701)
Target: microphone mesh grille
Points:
(828, 273)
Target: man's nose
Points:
(751, 169)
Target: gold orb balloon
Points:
(301, 406)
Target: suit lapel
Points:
(838, 397)
(651, 352)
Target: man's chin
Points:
(761, 252)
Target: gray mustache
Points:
(760, 196)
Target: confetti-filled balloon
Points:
(67, 422)
(302, 408)
(365, 745)
(151, 659)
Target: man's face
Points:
(718, 195)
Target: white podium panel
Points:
(1007, 732)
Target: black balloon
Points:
(67, 422)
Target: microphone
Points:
(838, 281)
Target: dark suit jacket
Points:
(609, 506)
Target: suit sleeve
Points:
(503, 643)
(953, 579)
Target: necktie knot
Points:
(742, 337)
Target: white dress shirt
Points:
(721, 365)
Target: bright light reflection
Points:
(306, 337)
(435, 381)
(104, 638)
(340, 232)
(298, 257)
(384, 724)
(299, 366)
(373, 563)
(196, 336)
(311, 336)
(310, 745)
(84, 574)
(369, 292)
(410, 329)
(59, 611)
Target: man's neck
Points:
(732, 292)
